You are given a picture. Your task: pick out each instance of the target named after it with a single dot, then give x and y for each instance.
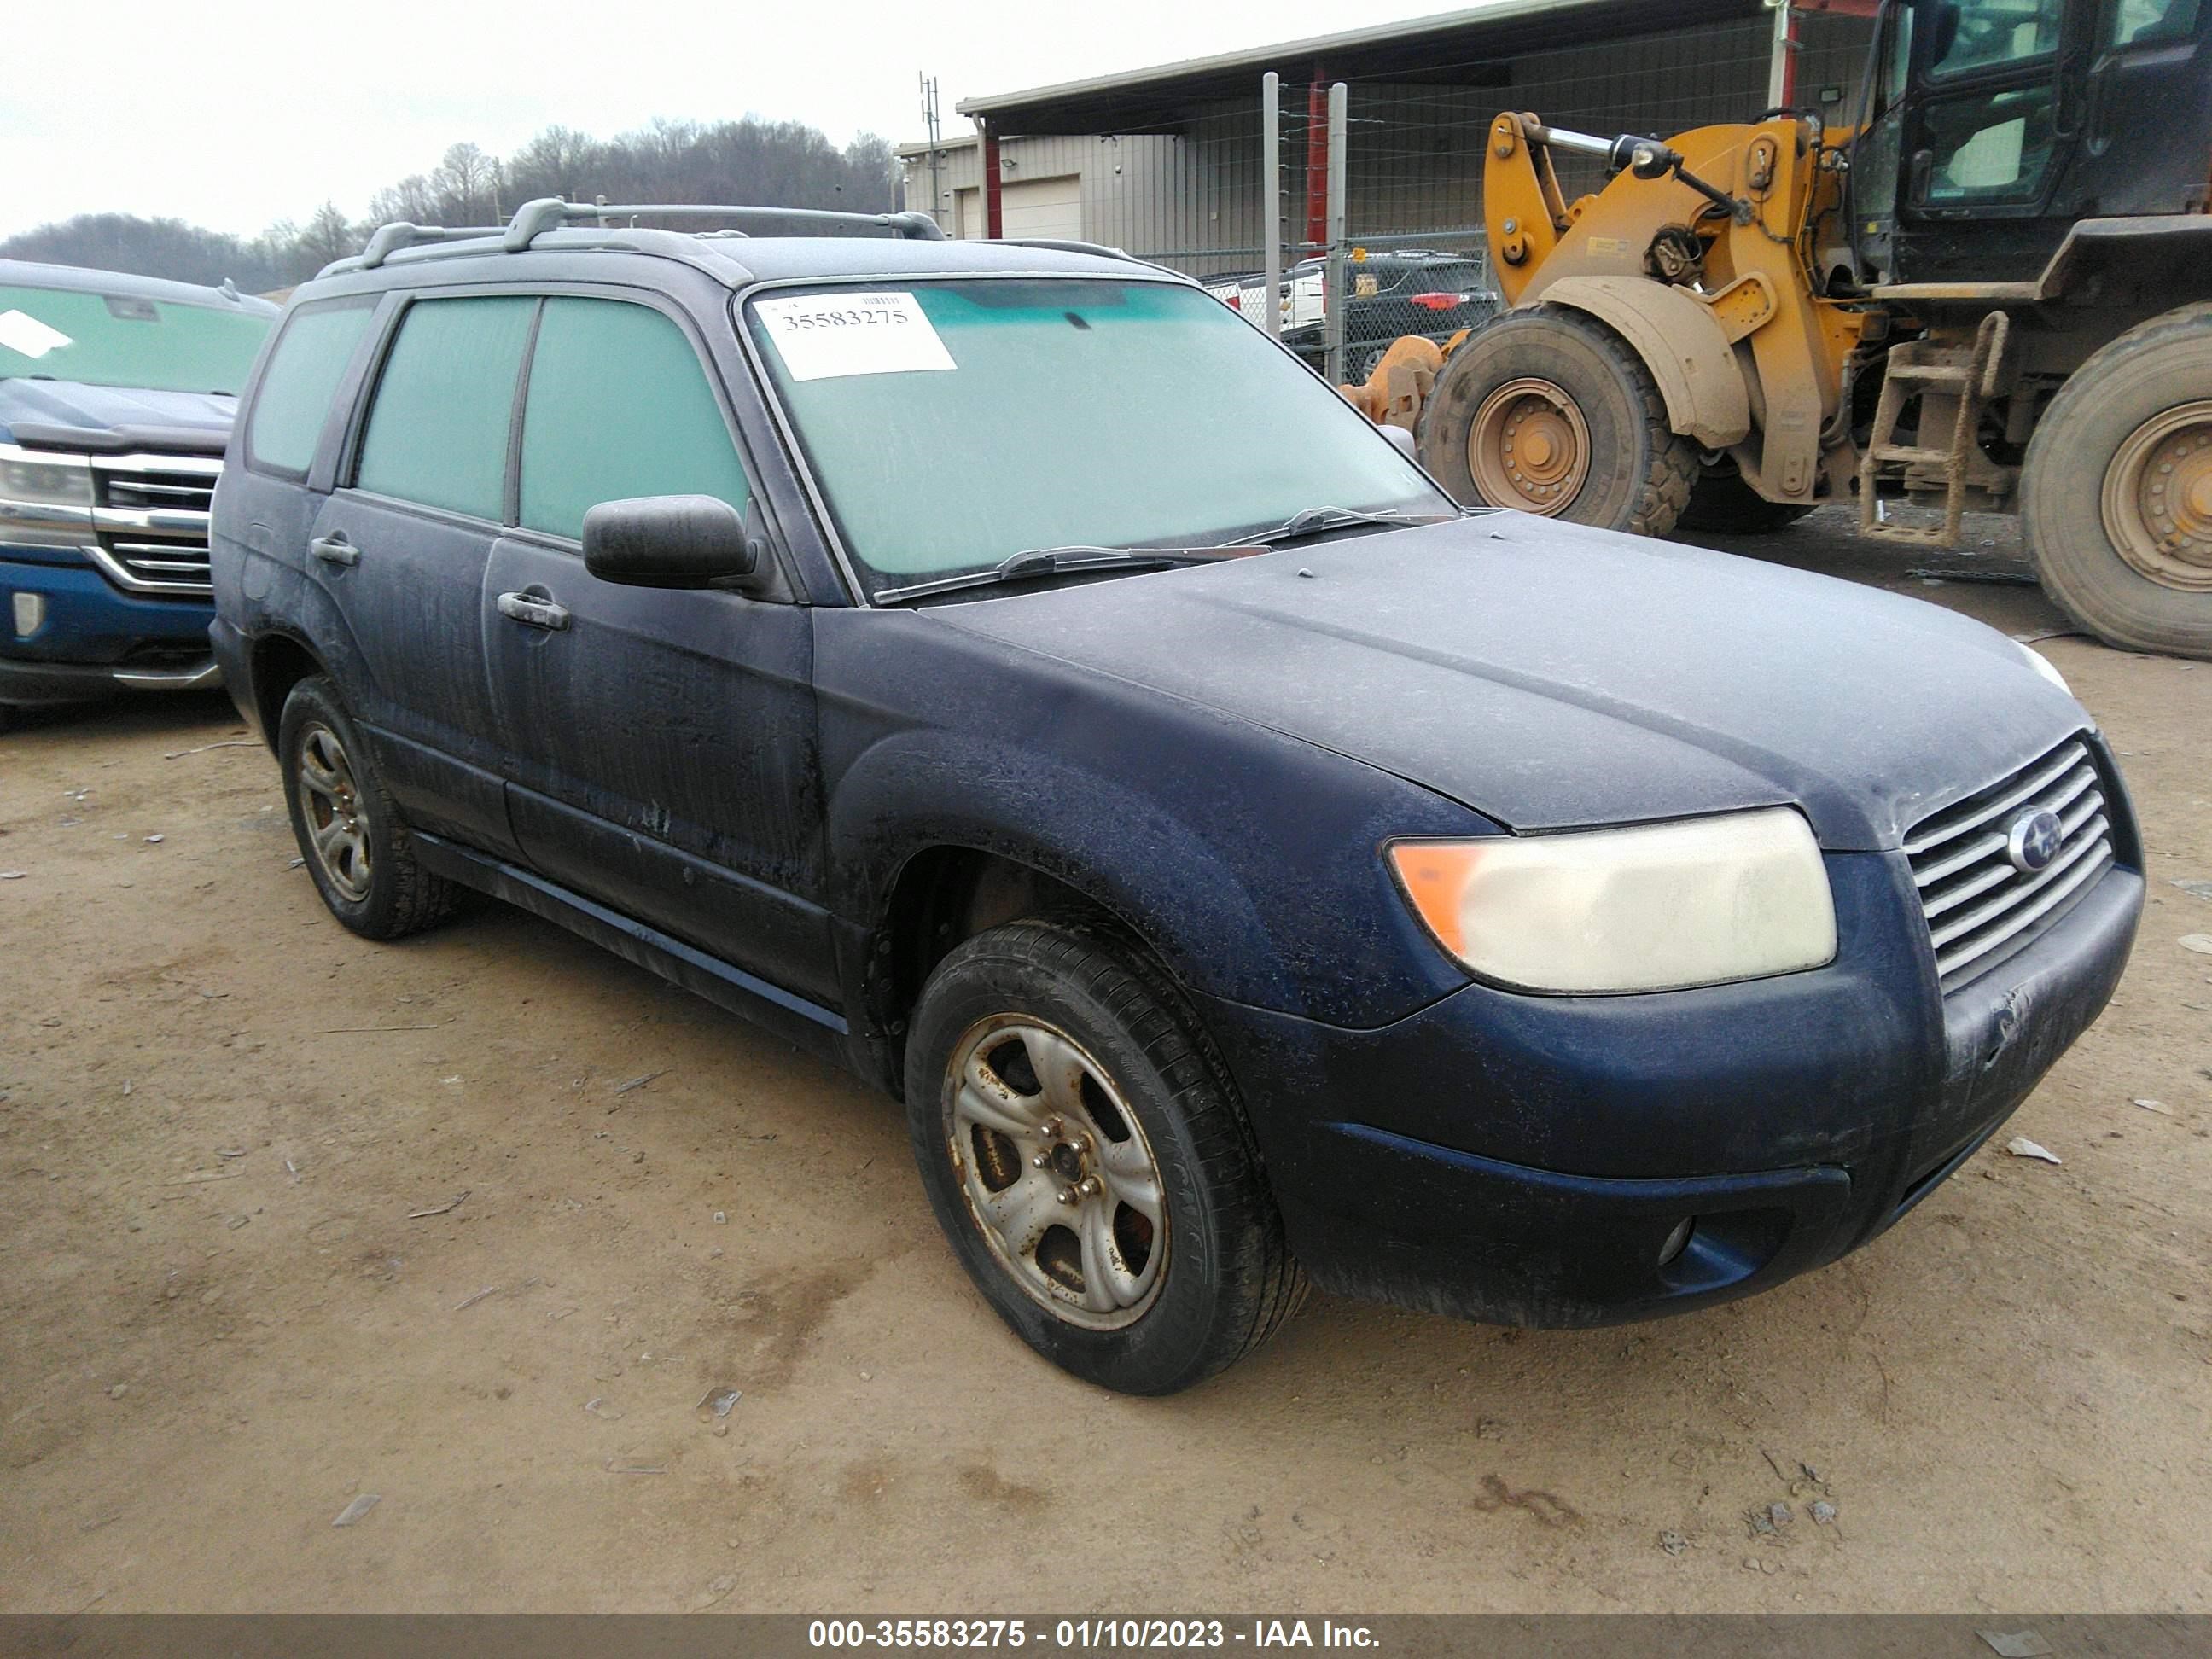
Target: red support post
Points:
(1316, 161)
(993, 222)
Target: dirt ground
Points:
(474, 1222)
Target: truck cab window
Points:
(1979, 34)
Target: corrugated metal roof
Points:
(1511, 26)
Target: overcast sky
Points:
(237, 113)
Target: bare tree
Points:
(412, 200)
(467, 181)
(554, 163)
(328, 236)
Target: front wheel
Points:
(2116, 496)
(1549, 412)
(1085, 1159)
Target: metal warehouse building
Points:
(1166, 162)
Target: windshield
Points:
(122, 340)
(954, 424)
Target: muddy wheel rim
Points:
(1057, 1172)
(2158, 498)
(331, 801)
(1529, 448)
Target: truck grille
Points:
(150, 515)
(1981, 905)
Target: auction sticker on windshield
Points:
(25, 335)
(822, 336)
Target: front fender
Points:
(1250, 861)
(1680, 342)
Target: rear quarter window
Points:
(437, 431)
(293, 400)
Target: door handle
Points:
(335, 548)
(534, 612)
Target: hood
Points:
(106, 419)
(1552, 676)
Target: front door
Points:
(1989, 129)
(663, 741)
(401, 547)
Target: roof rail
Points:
(533, 219)
(1069, 244)
(390, 238)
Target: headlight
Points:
(57, 480)
(45, 501)
(1660, 907)
(2041, 664)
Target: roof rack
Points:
(533, 219)
(551, 211)
(1069, 244)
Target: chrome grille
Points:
(1980, 906)
(150, 516)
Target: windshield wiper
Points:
(1064, 561)
(1315, 519)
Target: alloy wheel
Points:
(331, 798)
(1057, 1174)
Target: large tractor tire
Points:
(2115, 497)
(1722, 504)
(1548, 410)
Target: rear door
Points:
(401, 548)
(664, 742)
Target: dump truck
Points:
(1989, 293)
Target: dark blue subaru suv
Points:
(116, 397)
(1001, 668)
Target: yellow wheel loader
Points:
(1991, 296)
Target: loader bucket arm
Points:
(1525, 213)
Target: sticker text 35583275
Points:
(822, 336)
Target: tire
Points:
(1609, 457)
(2095, 453)
(365, 867)
(1722, 504)
(1151, 1304)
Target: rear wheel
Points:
(2115, 500)
(351, 838)
(1549, 412)
(1081, 1146)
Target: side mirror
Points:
(669, 541)
(1404, 439)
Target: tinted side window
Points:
(295, 399)
(2149, 23)
(1977, 33)
(437, 433)
(619, 406)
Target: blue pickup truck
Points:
(116, 399)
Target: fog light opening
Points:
(1678, 1240)
(30, 614)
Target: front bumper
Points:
(91, 641)
(1789, 1120)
